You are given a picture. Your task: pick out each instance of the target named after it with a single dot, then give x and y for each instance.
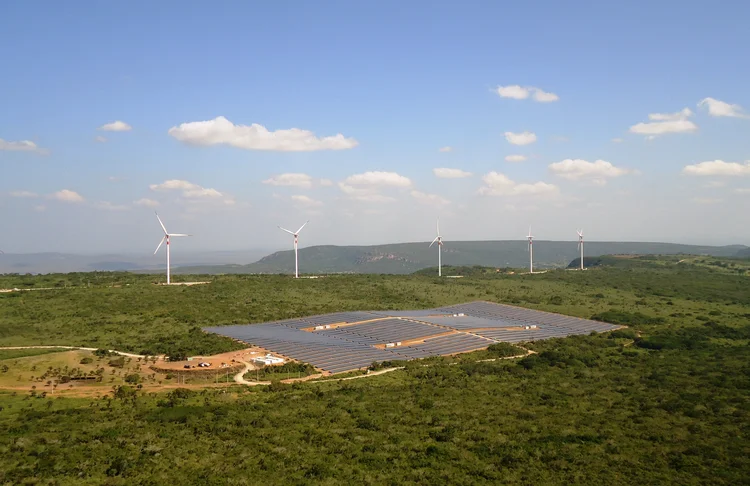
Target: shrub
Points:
(117, 362)
(133, 378)
(86, 360)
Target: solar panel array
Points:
(433, 332)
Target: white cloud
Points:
(742, 190)
(662, 123)
(445, 149)
(706, 200)
(445, 173)
(221, 131)
(189, 190)
(173, 184)
(149, 203)
(23, 194)
(22, 146)
(202, 192)
(582, 170)
(524, 138)
(40, 207)
(306, 201)
(517, 92)
(290, 179)
(617, 140)
(720, 108)
(515, 158)
(100, 139)
(116, 126)
(108, 206)
(718, 168)
(497, 184)
(325, 182)
(67, 195)
(513, 91)
(543, 96)
(376, 178)
(431, 199)
(683, 114)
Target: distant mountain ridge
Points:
(404, 258)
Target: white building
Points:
(268, 359)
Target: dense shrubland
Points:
(665, 400)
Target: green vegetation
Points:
(286, 371)
(665, 400)
(22, 353)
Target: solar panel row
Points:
(352, 347)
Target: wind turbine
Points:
(580, 245)
(296, 236)
(531, 251)
(439, 240)
(166, 237)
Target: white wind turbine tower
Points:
(580, 245)
(439, 240)
(296, 236)
(531, 251)
(164, 238)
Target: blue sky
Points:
(398, 83)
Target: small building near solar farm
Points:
(268, 359)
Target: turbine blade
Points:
(162, 224)
(300, 228)
(178, 234)
(284, 229)
(438, 226)
(433, 242)
(160, 243)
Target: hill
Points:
(404, 258)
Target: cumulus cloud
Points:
(596, 172)
(517, 92)
(662, 123)
(22, 146)
(290, 179)
(524, 138)
(149, 203)
(497, 184)
(742, 190)
(67, 195)
(189, 189)
(116, 126)
(515, 158)
(306, 201)
(720, 108)
(23, 194)
(100, 139)
(376, 178)
(445, 173)
(431, 199)
(717, 168)
(325, 182)
(445, 149)
(221, 131)
(366, 187)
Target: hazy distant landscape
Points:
(406, 258)
(397, 258)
